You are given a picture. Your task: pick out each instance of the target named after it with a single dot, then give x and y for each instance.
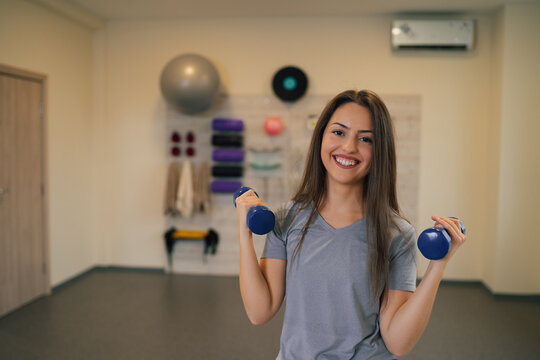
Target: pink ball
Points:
(273, 126)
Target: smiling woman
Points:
(350, 288)
(370, 187)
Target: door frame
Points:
(41, 78)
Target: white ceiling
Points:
(166, 9)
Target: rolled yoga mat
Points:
(229, 140)
(233, 155)
(222, 124)
(227, 171)
(223, 186)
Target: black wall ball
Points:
(289, 83)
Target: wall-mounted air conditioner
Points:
(433, 34)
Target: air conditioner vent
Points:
(432, 34)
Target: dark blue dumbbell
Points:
(434, 243)
(260, 219)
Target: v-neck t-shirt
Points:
(330, 312)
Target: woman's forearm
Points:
(253, 286)
(411, 319)
(403, 329)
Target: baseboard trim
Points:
(533, 297)
(129, 268)
(71, 280)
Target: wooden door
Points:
(23, 240)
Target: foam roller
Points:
(223, 186)
(224, 155)
(222, 124)
(229, 140)
(227, 171)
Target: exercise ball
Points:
(190, 82)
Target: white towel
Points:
(185, 190)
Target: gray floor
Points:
(112, 314)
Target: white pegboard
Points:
(275, 186)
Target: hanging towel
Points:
(171, 191)
(185, 190)
(202, 189)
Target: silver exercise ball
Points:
(190, 82)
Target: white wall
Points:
(337, 53)
(35, 39)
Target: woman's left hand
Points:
(454, 230)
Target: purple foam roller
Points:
(222, 124)
(234, 155)
(223, 186)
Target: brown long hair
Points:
(379, 189)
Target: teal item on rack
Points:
(265, 159)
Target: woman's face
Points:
(346, 148)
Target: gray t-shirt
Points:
(330, 313)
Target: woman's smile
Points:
(345, 162)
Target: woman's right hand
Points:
(262, 285)
(244, 203)
(451, 226)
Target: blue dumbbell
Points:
(260, 219)
(434, 243)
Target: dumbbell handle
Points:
(434, 243)
(260, 219)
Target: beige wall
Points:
(517, 267)
(491, 163)
(337, 53)
(107, 128)
(33, 38)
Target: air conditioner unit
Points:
(433, 34)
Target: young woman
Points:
(340, 251)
